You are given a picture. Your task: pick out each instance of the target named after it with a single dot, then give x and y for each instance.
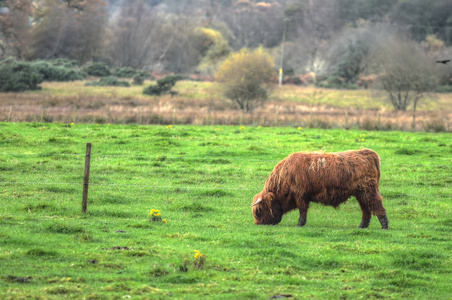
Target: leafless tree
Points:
(61, 30)
(406, 74)
(252, 25)
(15, 27)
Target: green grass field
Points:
(203, 179)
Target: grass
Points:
(200, 103)
(202, 179)
(203, 91)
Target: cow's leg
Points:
(380, 211)
(372, 203)
(367, 214)
(303, 208)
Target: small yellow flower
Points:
(164, 221)
(72, 124)
(299, 128)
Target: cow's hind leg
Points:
(372, 203)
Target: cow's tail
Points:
(377, 162)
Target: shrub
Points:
(66, 63)
(163, 86)
(140, 77)
(337, 82)
(99, 69)
(126, 72)
(51, 72)
(244, 77)
(444, 89)
(109, 81)
(152, 90)
(16, 76)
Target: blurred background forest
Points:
(390, 45)
(331, 38)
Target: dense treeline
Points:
(334, 39)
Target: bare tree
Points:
(142, 37)
(71, 29)
(15, 27)
(406, 74)
(311, 26)
(252, 25)
(134, 34)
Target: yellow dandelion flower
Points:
(164, 221)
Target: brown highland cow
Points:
(326, 178)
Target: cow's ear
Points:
(257, 202)
(270, 197)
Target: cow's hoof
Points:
(364, 224)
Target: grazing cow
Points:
(326, 178)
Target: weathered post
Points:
(141, 115)
(107, 117)
(86, 177)
(346, 119)
(74, 118)
(10, 113)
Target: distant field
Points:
(200, 103)
(202, 179)
(364, 99)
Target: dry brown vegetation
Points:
(199, 103)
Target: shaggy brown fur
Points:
(326, 178)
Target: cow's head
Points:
(266, 209)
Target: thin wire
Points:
(163, 157)
(189, 188)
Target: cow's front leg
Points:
(303, 207)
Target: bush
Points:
(444, 89)
(51, 72)
(16, 76)
(140, 77)
(126, 72)
(99, 69)
(245, 77)
(66, 63)
(109, 81)
(337, 82)
(163, 86)
(152, 90)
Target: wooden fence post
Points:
(10, 113)
(107, 117)
(74, 119)
(86, 177)
(141, 115)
